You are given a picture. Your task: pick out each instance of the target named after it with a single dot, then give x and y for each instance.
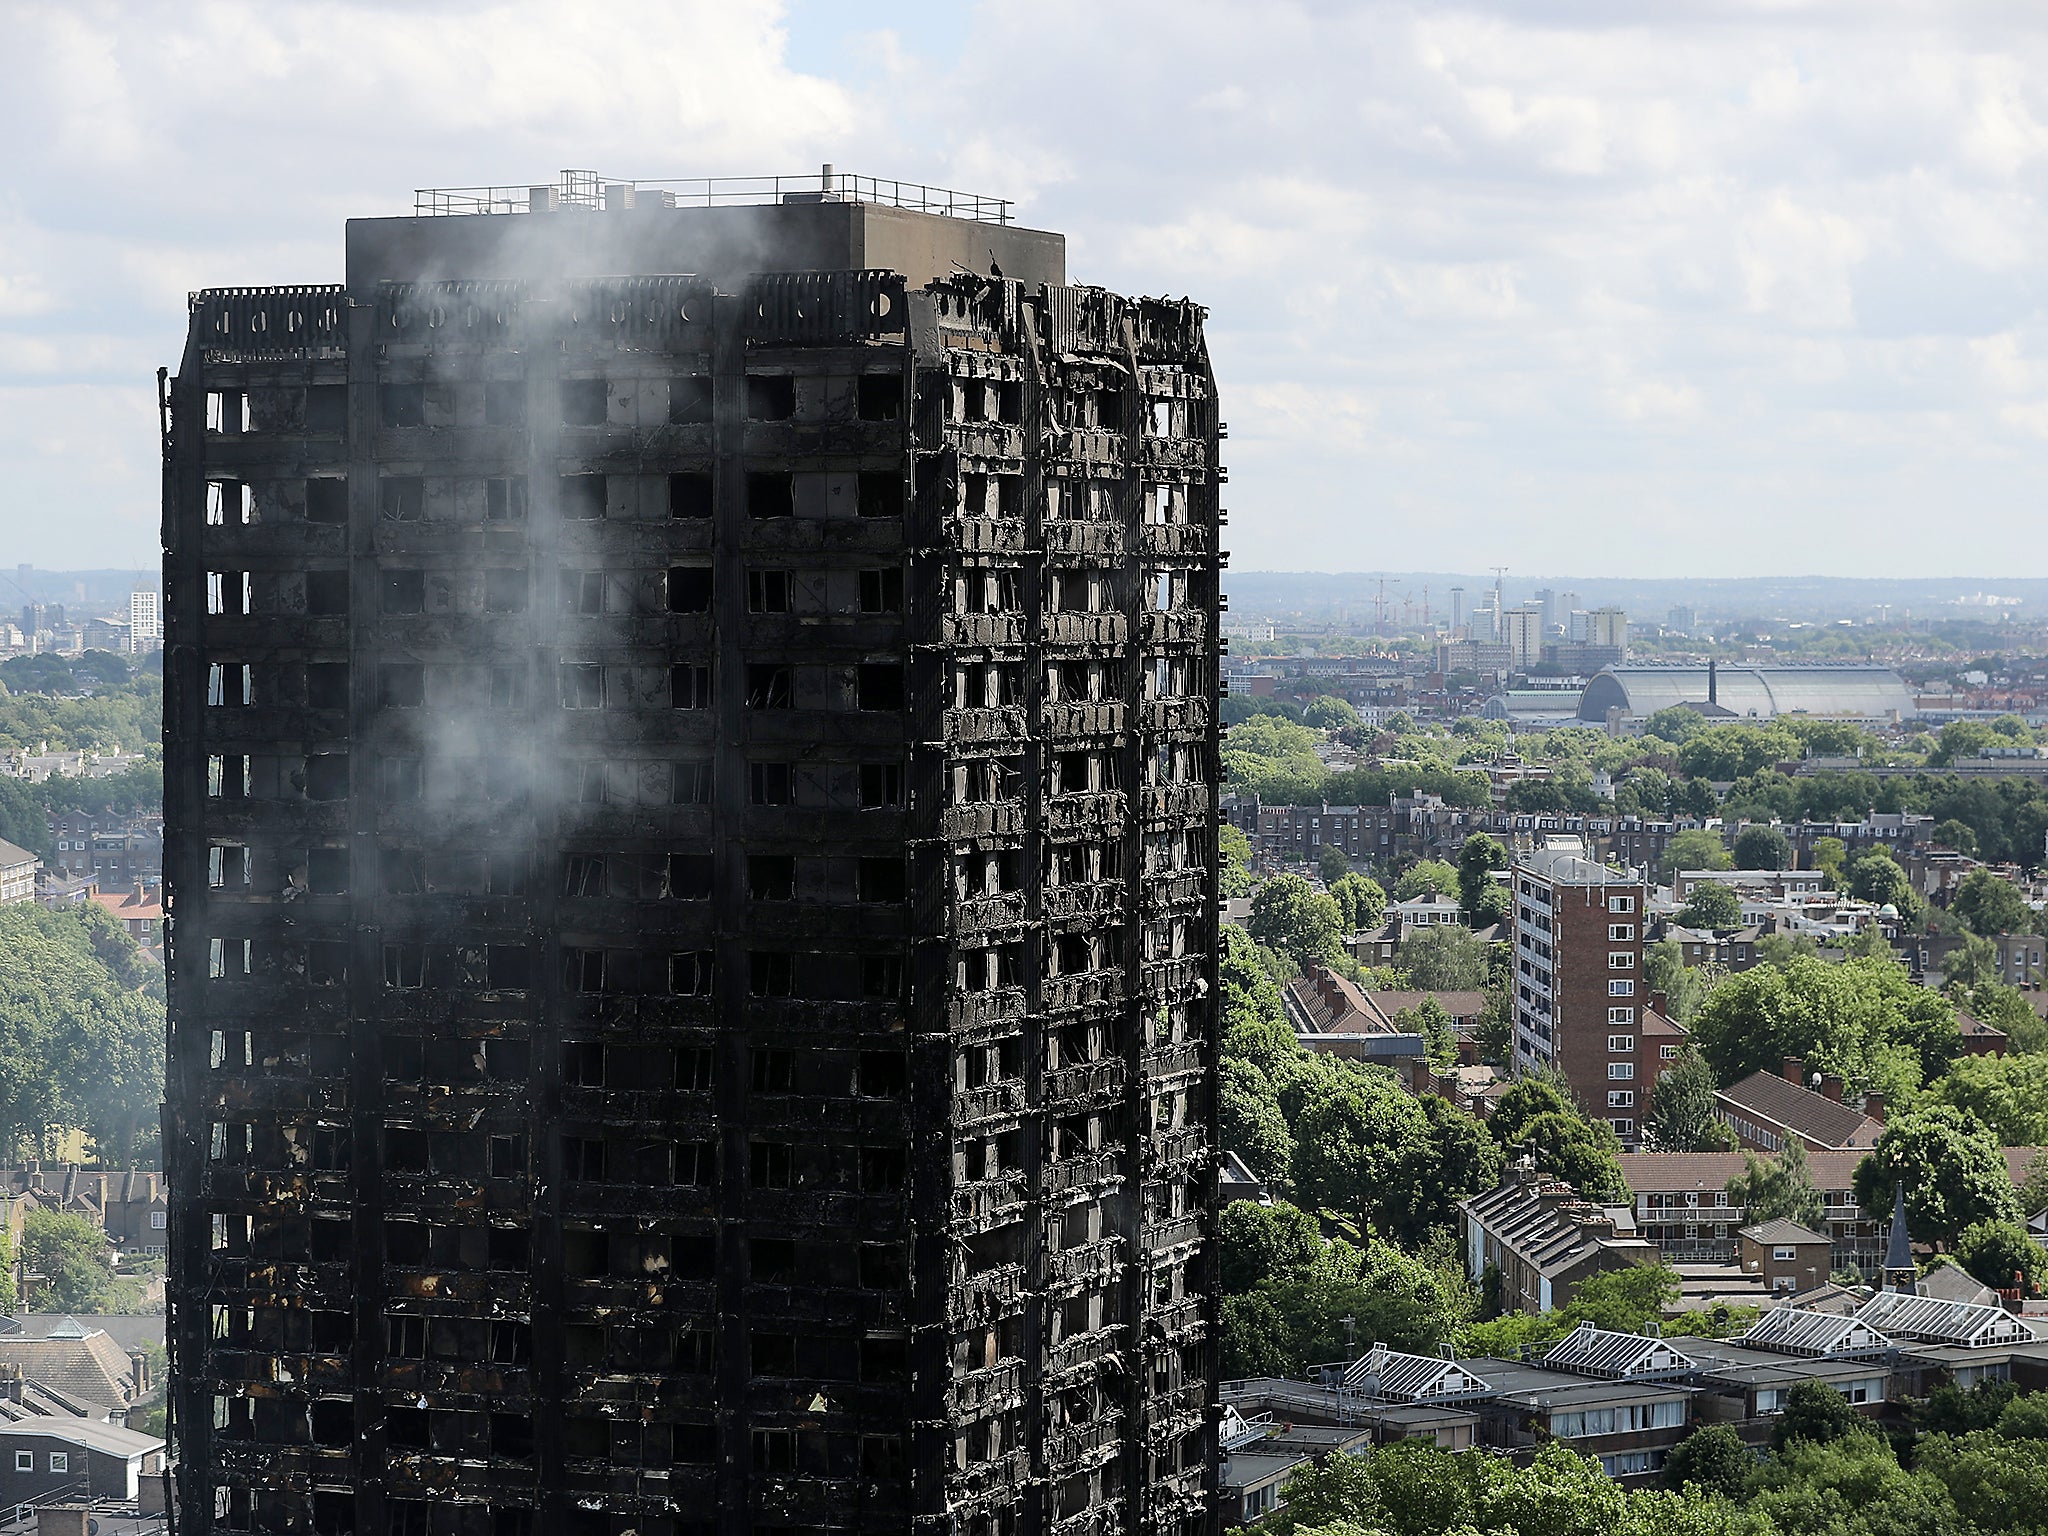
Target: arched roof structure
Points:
(1857, 692)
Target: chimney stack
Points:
(1832, 1086)
(1873, 1106)
(1794, 1071)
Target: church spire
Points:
(1899, 1273)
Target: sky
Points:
(1572, 286)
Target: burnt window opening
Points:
(882, 591)
(768, 686)
(771, 877)
(881, 978)
(881, 785)
(690, 782)
(402, 405)
(506, 1157)
(884, 1074)
(770, 974)
(773, 1070)
(229, 593)
(584, 1158)
(879, 686)
(771, 1165)
(583, 1063)
(327, 409)
(689, 876)
(508, 688)
(768, 591)
(326, 594)
(689, 400)
(883, 1458)
(404, 592)
(230, 684)
(689, 495)
(505, 499)
(401, 498)
(689, 974)
(883, 1170)
(228, 777)
(689, 589)
(586, 1253)
(585, 402)
(772, 1260)
(401, 685)
(694, 1066)
(582, 498)
(511, 1343)
(511, 1437)
(327, 500)
(771, 495)
(696, 1164)
(505, 403)
(771, 397)
(505, 590)
(884, 1358)
(690, 687)
(879, 493)
(327, 871)
(327, 776)
(883, 880)
(582, 685)
(507, 1061)
(400, 871)
(229, 504)
(769, 783)
(583, 592)
(883, 1267)
(326, 963)
(881, 396)
(404, 966)
(583, 874)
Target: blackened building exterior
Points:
(690, 842)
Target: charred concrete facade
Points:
(690, 843)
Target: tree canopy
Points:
(1443, 957)
(1991, 906)
(1291, 916)
(1954, 1173)
(1779, 1188)
(1711, 906)
(1695, 848)
(1762, 847)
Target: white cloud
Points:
(1502, 273)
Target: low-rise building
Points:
(139, 910)
(1790, 1258)
(1768, 1109)
(17, 874)
(1543, 1241)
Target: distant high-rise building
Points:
(1546, 599)
(1561, 608)
(691, 763)
(1457, 609)
(1608, 627)
(1682, 620)
(145, 620)
(1521, 631)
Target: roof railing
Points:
(590, 192)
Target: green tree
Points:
(1332, 864)
(1990, 905)
(1357, 1144)
(1257, 1243)
(1711, 906)
(1762, 847)
(1329, 713)
(1676, 724)
(1875, 877)
(1712, 1459)
(1963, 738)
(1683, 986)
(1829, 856)
(2003, 1255)
(1293, 917)
(1234, 856)
(1431, 877)
(1249, 1116)
(1681, 1115)
(2002, 1007)
(1954, 1173)
(1480, 856)
(1431, 1020)
(69, 1261)
(1256, 1339)
(1695, 848)
(2007, 1093)
(1625, 1300)
(1584, 1153)
(1443, 957)
(1496, 1030)
(1954, 834)
(1361, 901)
(1815, 1412)
(1779, 1188)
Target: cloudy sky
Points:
(1744, 286)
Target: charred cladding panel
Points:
(692, 861)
